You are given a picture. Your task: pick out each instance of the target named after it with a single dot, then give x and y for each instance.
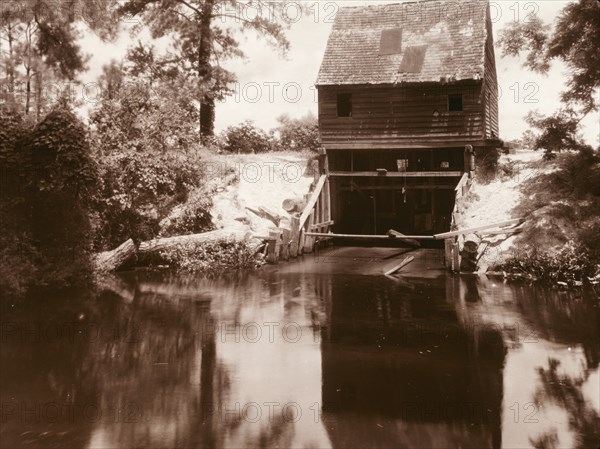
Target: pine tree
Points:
(204, 34)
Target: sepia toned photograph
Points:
(299, 224)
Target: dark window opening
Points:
(344, 105)
(455, 103)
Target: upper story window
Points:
(344, 105)
(455, 102)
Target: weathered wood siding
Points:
(402, 116)
(490, 84)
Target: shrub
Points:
(145, 139)
(556, 133)
(192, 217)
(298, 134)
(18, 271)
(49, 182)
(138, 191)
(213, 257)
(572, 264)
(562, 205)
(487, 163)
(140, 116)
(64, 183)
(246, 138)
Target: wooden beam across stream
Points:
(368, 237)
(445, 235)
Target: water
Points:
(312, 360)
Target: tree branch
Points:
(193, 8)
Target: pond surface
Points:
(307, 359)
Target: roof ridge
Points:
(454, 41)
(408, 2)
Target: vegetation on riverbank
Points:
(214, 257)
(69, 191)
(561, 237)
(49, 182)
(560, 200)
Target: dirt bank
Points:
(257, 181)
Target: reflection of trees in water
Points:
(156, 362)
(565, 391)
(563, 317)
(43, 377)
(169, 368)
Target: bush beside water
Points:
(572, 265)
(213, 257)
(560, 241)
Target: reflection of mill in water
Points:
(399, 369)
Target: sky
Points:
(270, 85)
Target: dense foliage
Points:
(572, 265)
(555, 133)
(202, 34)
(246, 138)
(560, 237)
(572, 41)
(39, 47)
(17, 270)
(300, 134)
(145, 144)
(213, 257)
(50, 185)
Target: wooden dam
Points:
(408, 109)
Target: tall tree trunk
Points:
(38, 94)
(28, 90)
(207, 104)
(28, 70)
(10, 67)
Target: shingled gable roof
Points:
(440, 40)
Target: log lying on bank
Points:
(112, 260)
(154, 247)
(115, 259)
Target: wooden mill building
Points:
(407, 95)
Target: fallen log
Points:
(154, 247)
(112, 260)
